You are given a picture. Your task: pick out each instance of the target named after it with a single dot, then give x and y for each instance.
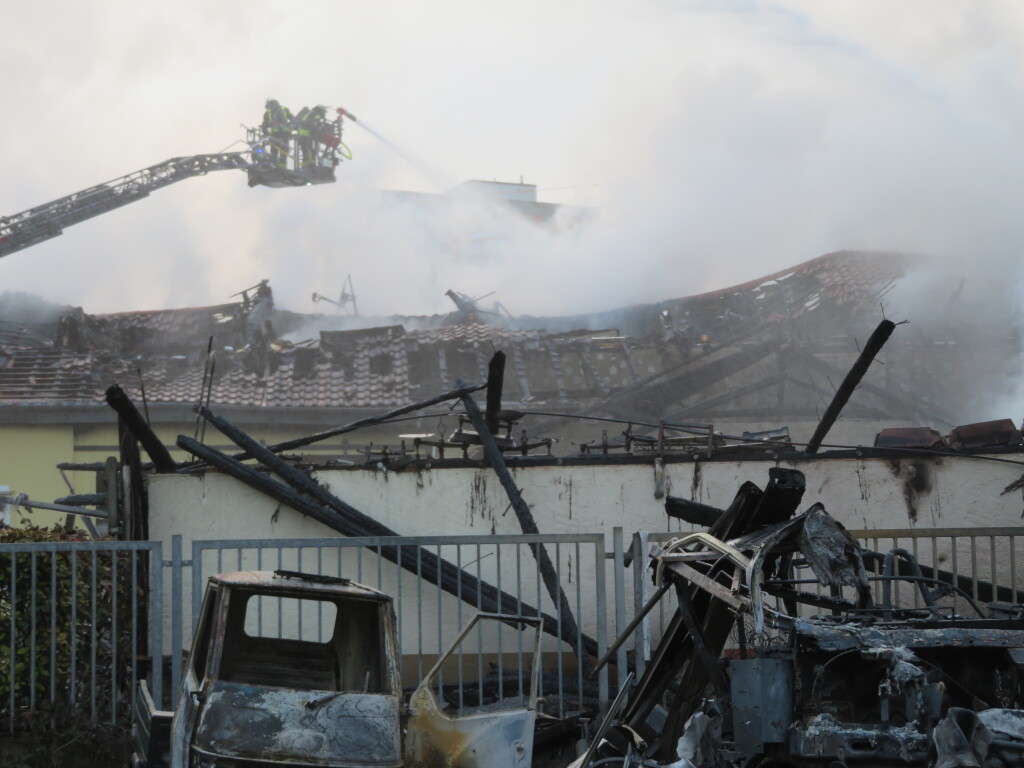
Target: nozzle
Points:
(345, 113)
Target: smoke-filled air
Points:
(693, 145)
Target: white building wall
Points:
(861, 493)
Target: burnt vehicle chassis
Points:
(792, 646)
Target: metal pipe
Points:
(24, 501)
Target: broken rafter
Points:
(874, 345)
(495, 384)
(529, 526)
(140, 429)
(290, 445)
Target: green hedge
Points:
(68, 631)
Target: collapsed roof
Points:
(769, 346)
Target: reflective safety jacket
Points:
(276, 116)
(309, 121)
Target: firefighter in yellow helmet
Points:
(277, 128)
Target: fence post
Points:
(619, 570)
(176, 610)
(642, 643)
(156, 622)
(601, 614)
(197, 582)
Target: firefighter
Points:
(277, 127)
(309, 128)
(304, 139)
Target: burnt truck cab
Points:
(290, 669)
(253, 691)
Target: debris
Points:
(903, 665)
(692, 511)
(529, 526)
(909, 437)
(291, 445)
(311, 499)
(985, 434)
(252, 695)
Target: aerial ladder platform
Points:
(282, 158)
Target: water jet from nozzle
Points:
(435, 178)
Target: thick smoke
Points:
(717, 141)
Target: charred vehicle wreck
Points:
(792, 646)
(258, 691)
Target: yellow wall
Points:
(29, 455)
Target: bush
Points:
(68, 634)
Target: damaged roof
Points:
(673, 359)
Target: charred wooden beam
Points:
(291, 445)
(860, 367)
(133, 421)
(327, 509)
(295, 477)
(707, 656)
(692, 511)
(528, 525)
(625, 634)
(495, 383)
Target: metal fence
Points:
(78, 626)
(429, 616)
(80, 623)
(984, 564)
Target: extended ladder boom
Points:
(45, 221)
(294, 154)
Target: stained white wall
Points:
(861, 493)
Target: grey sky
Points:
(721, 141)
